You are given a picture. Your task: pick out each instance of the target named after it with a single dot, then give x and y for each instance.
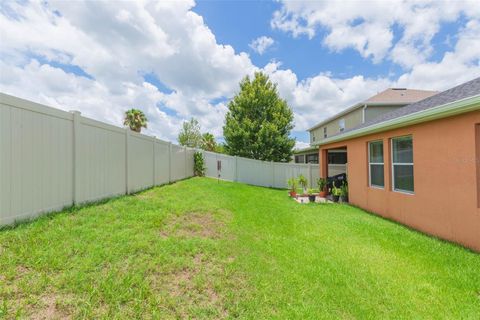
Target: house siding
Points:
(374, 111)
(352, 119)
(446, 169)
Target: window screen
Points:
(402, 164)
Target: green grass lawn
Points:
(203, 249)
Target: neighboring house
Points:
(362, 112)
(419, 165)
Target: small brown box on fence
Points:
(219, 168)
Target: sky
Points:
(180, 59)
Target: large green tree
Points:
(190, 135)
(258, 122)
(135, 119)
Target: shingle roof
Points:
(400, 96)
(465, 90)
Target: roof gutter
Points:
(438, 112)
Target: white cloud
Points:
(301, 145)
(319, 97)
(116, 44)
(369, 29)
(457, 66)
(261, 44)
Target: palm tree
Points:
(135, 119)
(208, 142)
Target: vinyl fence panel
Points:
(258, 173)
(255, 172)
(178, 163)
(210, 159)
(162, 162)
(285, 171)
(189, 162)
(100, 161)
(227, 171)
(36, 172)
(140, 166)
(50, 159)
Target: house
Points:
(419, 164)
(362, 112)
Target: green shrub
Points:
(344, 189)
(303, 182)
(199, 164)
(292, 184)
(322, 183)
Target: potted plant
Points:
(335, 192)
(344, 192)
(311, 195)
(292, 184)
(322, 183)
(303, 182)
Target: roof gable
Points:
(400, 96)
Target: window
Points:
(324, 132)
(341, 124)
(402, 164)
(312, 158)
(376, 176)
(300, 159)
(337, 157)
(313, 138)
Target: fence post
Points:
(236, 169)
(76, 156)
(273, 173)
(154, 163)
(310, 174)
(169, 162)
(185, 157)
(127, 159)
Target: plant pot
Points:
(344, 199)
(311, 197)
(293, 194)
(335, 198)
(322, 194)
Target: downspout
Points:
(363, 113)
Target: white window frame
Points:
(401, 163)
(375, 163)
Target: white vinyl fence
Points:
(50, 159)
(256, 172)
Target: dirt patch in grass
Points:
(50, 306)
(24, 299)
(199, 284)
(194, 224)
(196, 287)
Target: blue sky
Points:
(238, 22)
(182, 59)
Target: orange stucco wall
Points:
(446, 177)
